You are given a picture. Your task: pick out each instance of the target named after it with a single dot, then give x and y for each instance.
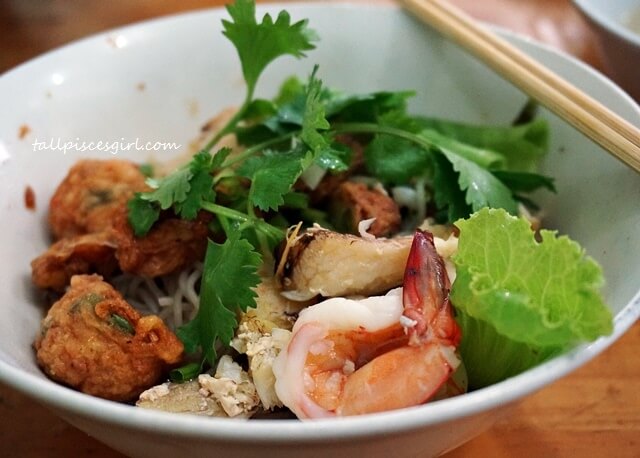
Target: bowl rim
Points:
(606, 23)
(69, 401)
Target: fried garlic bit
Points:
(94, 341)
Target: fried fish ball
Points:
(83, 254)
(170, 245)
(94, 341)
(89, 195)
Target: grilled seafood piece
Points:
(329, 264)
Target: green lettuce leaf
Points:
(519, 301)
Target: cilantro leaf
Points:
(200, 183)
(314, 122)
(525, 182)
(369, 107)
(142, 214)
(229, 274)
(394, 160)
(313, 118)
(183, 190)
(170, 189)
(260, 44)
(447, 193)
(272, 176)
(485, 158)
(291, 105)
(521, 146)
(482, 188)
(521, 299)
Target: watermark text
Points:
(105, 146)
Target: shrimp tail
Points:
(426, 295)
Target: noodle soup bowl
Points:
(159, 81)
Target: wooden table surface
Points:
(594, 412)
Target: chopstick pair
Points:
(609, 130)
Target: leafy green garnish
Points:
(518, 300)
(395, 160)
(229, 274)
(524, 182)
(448, 196)
(521, 147)
(185, 373)
(258, 44)
(146, 170)
(122, 324)
(184, 190)
(482, 188)
(272, 176)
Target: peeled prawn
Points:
(350, 357)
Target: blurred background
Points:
(595, 412)
(31, 27)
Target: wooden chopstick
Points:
(616, 135)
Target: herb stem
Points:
(225, 211)
(230, 213)
(232, 123)
(353, 128)
(257, 148)
(370, 128)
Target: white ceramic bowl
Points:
(619, 44)
(90, 90)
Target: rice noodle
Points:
(174, 297)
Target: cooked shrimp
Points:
(350, 357)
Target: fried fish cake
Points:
(353, 202)
(94, 341)
(82, 254)
(89, 195)
(170, 245)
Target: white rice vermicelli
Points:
(173, 297)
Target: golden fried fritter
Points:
(83, 254)
(170, 245)
(94, 341)
(89, 195)
(354, 202)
